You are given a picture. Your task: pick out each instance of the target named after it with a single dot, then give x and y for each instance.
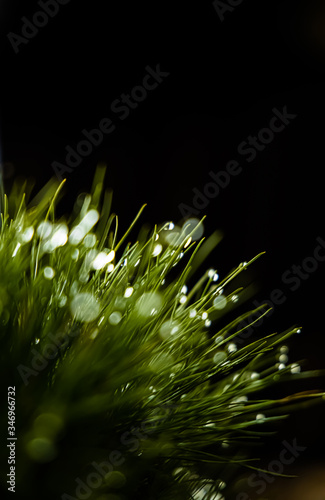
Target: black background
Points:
(225, 79)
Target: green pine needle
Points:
(100, 339)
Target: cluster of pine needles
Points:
(115, 361)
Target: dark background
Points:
(225, 79)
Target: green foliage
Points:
(109, 353)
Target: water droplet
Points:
(281, 366)
(157, 250)
(90, 240)
(60, 237)
(194, 225)
(160, 362)
(84, 277)
(232, 348)
(284, 349)
(128, 292)
(234, 298)
(204, 315)
(111, 256)
(85, 307)
(94, 334)
(184, 289)
(110, 268)
(295, 368)
(75, 254)
(115, 318)
(41, 450)
(48, 425)
(173, 237)
(84, 226)
(76, 235)
(90, 257)
(220, 302)
(182, 299)
(74, 288)
(192, 313)
(89, 220)
(49, 273)
(168, 328)
(100, 261)
(260, 417)
(213, 275)
(179, 257)
(149, 303)
(283, 358)
(255, 376)
(44, 229)
(219, 357)
(37, 341)
(120, 302)
(207, 323)
(27, 235)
